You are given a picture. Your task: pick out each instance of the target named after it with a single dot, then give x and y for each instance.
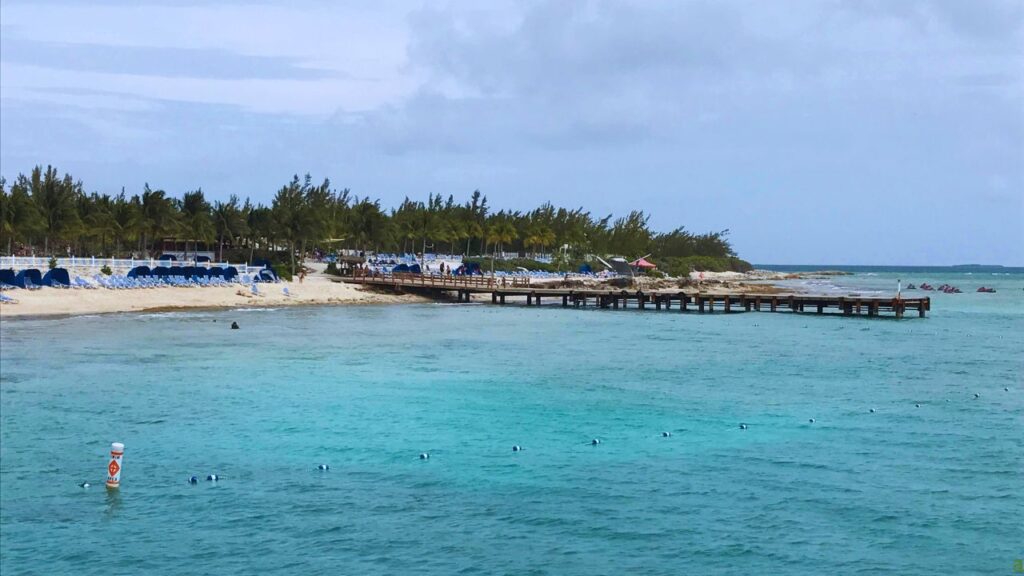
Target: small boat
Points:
(911, 287)
(987, 290)
(927, 287)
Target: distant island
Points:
(49, 214)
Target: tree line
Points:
(44, 210)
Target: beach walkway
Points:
(501, 289)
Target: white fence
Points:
(115, 264)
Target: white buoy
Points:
(666, 434)
(743, 426)
(872, 410)
(424, 456)
(84, 485)
(811, 420)
(323, 467)
(517, 448)
(114, 467)
(212, 478)
(917, 405)
(595, 442)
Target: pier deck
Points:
(464, 287)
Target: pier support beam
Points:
(728, 304)
(700, 304)
(565, 301)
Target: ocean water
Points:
(934, 489)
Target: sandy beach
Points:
(71, 302)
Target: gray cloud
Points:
(154, 61)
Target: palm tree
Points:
(19, 217)
(156, 215)
(229, 222)
(195, 218)
(54, 197)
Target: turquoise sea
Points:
(906, 489)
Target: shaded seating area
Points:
(139, 272)
(57, 278)
(28, 279)
(140, 276)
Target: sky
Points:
(817, 132)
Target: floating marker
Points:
(323, 467)
(212, 478)
(595, 442)
(666, 434)
(114, 467)
(424, 456)
(917, 405)
(743, 426)
(517, 448)
(811, 420)
(976, 395)
(193, 480)
(84, 485)
(1006, 389)
(872, 410)
(234, 325)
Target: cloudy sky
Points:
(833, 131)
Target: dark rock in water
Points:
(234, 325)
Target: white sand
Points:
(316, 289)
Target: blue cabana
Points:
(161, 271)
(202, 258)
(586, 269)
(230, 273)
(167, 257)
(27, 278)
(415, 269)
(200, 272)
(267, 276)
(139, 272)
(262, 262)
(7, 276)
(58, 277)
(188, 271)
(175, 271)
(215, 272)
(473, 268)
(400, 268)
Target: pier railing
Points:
(438, 281)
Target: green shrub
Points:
(332, 268)
(683, 266)
(283, 271)
(106, 271)
(53, 262)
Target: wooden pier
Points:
(499, 289)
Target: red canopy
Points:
(643, 263)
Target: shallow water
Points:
(908, 490)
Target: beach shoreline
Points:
(53, 303)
